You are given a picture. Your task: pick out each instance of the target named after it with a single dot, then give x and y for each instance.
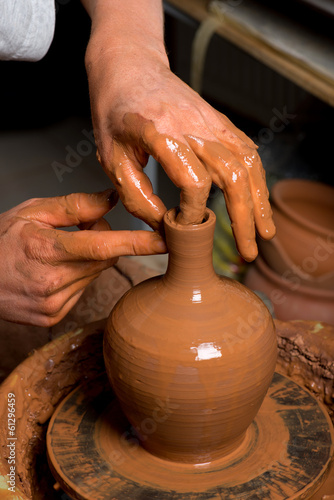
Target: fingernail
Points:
(113, 197)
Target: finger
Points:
(55, 276)
(258, 188)
(180, 164)
(73, 209)
(134, 187)
(49, 310)
(262, 210)
(98, 225)
(54, 308)
(69, 304)
(101, 245)
(70, 273)
(241, 145)
(184, 169)
(232, 177)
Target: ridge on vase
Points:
(190, 354)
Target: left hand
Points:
(44, 270)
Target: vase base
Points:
(286, 453)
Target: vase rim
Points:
(208, 221)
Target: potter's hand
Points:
(146, 110)
(44, 270)
(140, 108)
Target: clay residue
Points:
(222, 155)
(306, 354)
(239, 173)
(39, 384)
(281, 456)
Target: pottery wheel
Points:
(94, 454)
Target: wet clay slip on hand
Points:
(303, 212)
(192, 350)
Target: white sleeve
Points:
(26, 29)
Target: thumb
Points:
(70, 210)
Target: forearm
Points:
(119, 25)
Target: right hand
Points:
(140, 108)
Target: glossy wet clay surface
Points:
(201, 347)
(285, 454)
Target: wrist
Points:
(129, 27)
(122, 51)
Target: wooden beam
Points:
(306, 77)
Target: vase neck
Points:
(190, 251)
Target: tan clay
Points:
(306, 355)
(285, 455)
(306, 348)
(246, 196)
(189, 354)
(192, 163)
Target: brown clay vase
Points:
(190, 354)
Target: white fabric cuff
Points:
(26, 29)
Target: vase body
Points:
(190, 354)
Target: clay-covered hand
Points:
(140, 108)
(44, 270)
